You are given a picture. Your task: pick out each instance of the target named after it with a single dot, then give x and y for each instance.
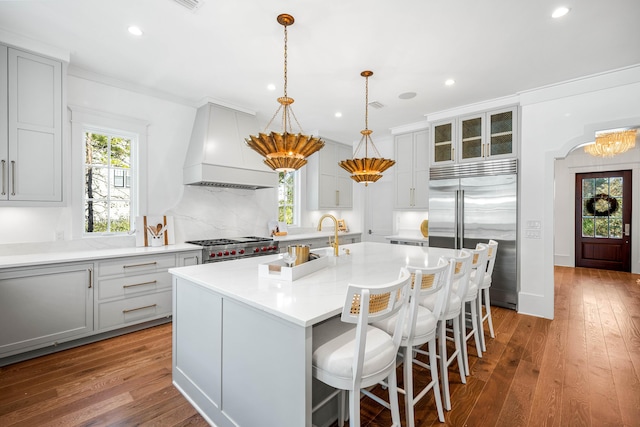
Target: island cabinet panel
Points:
(230, 359)
(42, 307)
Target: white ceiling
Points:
(230, 50)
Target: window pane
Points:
(95, 214)
(96, 148)
(615, 186)
(588, 187)
(120, 217)
(96, 183)
(602, 185)
(615, 228)
(602, 227)
(120, 152)
(587, 227)
(618, 212)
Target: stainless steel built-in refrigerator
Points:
(472, 203)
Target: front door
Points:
(603, 220)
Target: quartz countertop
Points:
(317, 296)
(43, 258)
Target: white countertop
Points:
(313, 235)
(35, 259)
(317, 296)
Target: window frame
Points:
(82, 120)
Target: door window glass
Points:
(602, 207)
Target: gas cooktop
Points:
(214, 250)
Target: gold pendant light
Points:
(286, 151)
(366, 169)
(609, 144)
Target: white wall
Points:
(554, 120)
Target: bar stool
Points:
(350, 354)
(470, 298)
(451, 313)
(483, 291)
(420, 328)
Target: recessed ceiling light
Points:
(338, 114)
(559, 12)
(407, 95)
(136, 31)
(449, 82)
(271, 87)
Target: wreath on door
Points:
(601, 205)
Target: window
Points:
(287, 197)
(108, 195)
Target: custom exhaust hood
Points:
(217, 154)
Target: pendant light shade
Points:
(366, 169)
(285, 151)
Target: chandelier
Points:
(366, 169)
(286, 151)
(609, 144)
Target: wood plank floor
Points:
(581, 369)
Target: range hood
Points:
(217, 154)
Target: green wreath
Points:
(601, 205)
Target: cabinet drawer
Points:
(133, 285)
(133, 310)
(135, 265)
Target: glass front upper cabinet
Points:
(478, 137)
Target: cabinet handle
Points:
(13, 177)
(482, 150)
(139, 308)
(140, 265)
(3, 170)
(90, 277)
(140, 284)
(337, 197)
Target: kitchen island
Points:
(242, 343)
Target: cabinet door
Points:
(189, 258)
(502, 133)
(442, 147)
(344, 183)
(421, 170)
(40, 307)
(35, 127)
(471, 144)
(403, 170)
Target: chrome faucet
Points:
(335, 239)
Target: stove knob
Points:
(256, 250)
(233, 252)
(219, 253)
(241, 251)
(264, 249)
(226, 253)
(212, 255)
(273, 248)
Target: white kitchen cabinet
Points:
(41, 307)
(132, 290)
(488, 135)
(328, 185)
(189, 258)
(31, 131)
(412, 170)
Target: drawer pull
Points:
(140, 265)
(2, 177)
(90, 277)
(153, 282)
(139, 308)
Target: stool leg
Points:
(433, 364)
(481, 321)
(487, 302)
(444, 366)
(408, 385)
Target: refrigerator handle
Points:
(457, 219)
(461, 219)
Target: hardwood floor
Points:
(581, 369)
